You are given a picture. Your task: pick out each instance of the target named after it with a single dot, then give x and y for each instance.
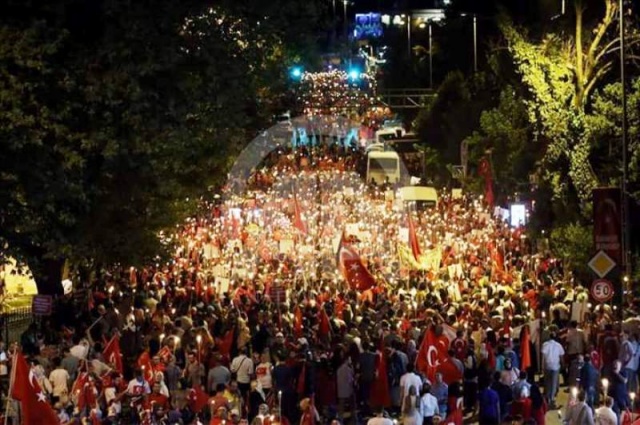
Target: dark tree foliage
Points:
(115, 116)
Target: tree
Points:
(505, 132)
(115, 117)
(573, 243)
(451, 116)
(561, 73)
(605, 124)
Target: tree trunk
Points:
(48, 276)
(580, 74)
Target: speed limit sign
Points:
(601, 290)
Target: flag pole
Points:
(11, 382)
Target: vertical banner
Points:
(607, 237)
(607, 216)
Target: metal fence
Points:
(14, 323)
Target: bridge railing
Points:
(407, 98)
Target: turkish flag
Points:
(144, 363)
(380, 396)
(413, 239)
(484, 170)
(197, 399)
(227, 342)
(352, 267)
(325, 326)
(433, 357)
(83, 391)
(298, 223)
(297, 322)
(35, 407)
(113, 355)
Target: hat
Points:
(303, 341)
(279, 335)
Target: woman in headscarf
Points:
(412, 352)
(411, 412)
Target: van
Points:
(423, 196)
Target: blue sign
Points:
(368, 25)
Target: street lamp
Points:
(344, 3)
(625, 163)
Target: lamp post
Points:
(409, 35)
(346, 26)
(430, 57)
(625, 162)
(475, 43)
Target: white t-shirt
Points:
(552, 352)
(606, 416)
(242, 366)
(408, 380)
(263, 375)
(429, 405)
(137, 389)
(59, 379)
(3, 367)
(379, 421)
(80, 351)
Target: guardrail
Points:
(13, 323)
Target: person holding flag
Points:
(34, 405)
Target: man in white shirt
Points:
(242, 366)
(59, 378)
(605, 414)
(629, 359)
(552, 353)
(138, 389)
(408, 380)
(379, 419)
(429, 406)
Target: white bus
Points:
(383, 167)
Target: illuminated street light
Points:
(296, 72)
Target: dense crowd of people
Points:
(256, 319)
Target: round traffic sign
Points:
(601, 290)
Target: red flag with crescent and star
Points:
(113, 355)
(84, 391)
(484, 170)
(352, 268)
(144, 363)
(34, 404)
(433, 357)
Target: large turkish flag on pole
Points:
(433, 357)
(35, 407)
(353, 269)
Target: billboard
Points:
(607, 235)
(368, 25)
